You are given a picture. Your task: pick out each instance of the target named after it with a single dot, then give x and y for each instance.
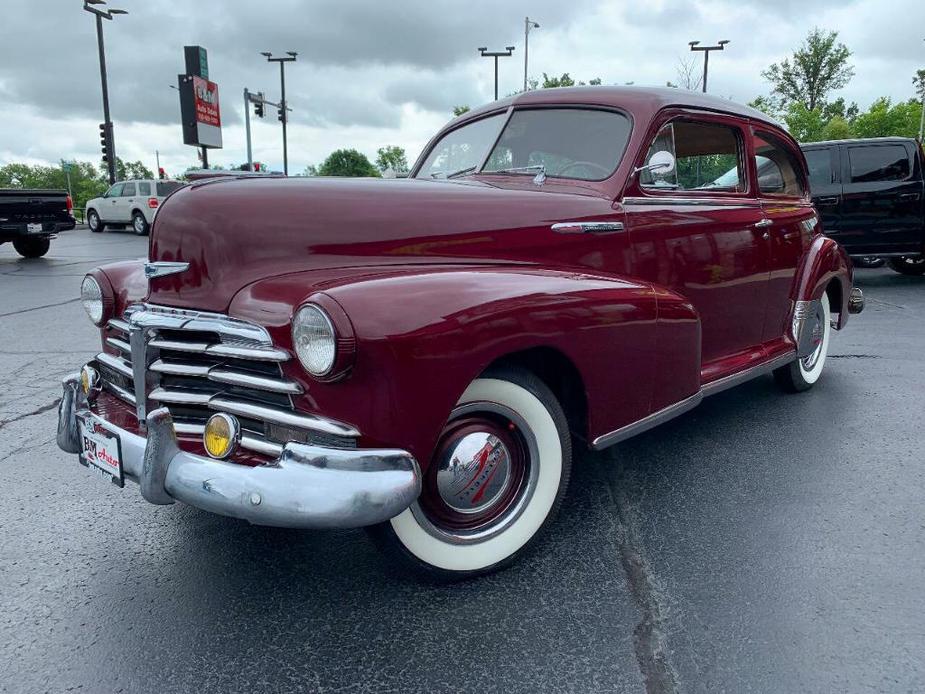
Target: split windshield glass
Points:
(582, 144)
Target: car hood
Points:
(235, 232)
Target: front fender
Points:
(422, 337)
(824, 262)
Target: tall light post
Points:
(506, 53)
(695, 46)
(91, 7)
(528, 25)
(283, 107)
(922, 118)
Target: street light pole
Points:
(922, 118)
(528, 24)
(283, 107)
(100, 16)
(706, 56)
(506, 53)
(247, 128)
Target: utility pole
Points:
(90, 6)
(922, 118)
(506, 53)
(695, 46)
(247, 128)
(528, 24)
(283, 106)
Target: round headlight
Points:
(91, 296)
(314, 340)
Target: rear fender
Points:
(823, 263)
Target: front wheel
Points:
(94, 222)
(32, 248)
(803, 373)
(497, 477)
(908, 264)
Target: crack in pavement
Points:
(650, 638)
(37, 308)
(36, 411)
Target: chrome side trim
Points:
(721, 384)
(648, 422)
(587, 227)
(682, 406)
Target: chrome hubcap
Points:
(818, 336)
(474, 473)
(139, 224)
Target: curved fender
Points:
(422, 337)
(823, 262)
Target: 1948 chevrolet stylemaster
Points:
(417, 355)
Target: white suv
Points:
(130, 204)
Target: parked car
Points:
(31, 218)
(129, 204)
(871, 195)
(416, 355)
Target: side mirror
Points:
(660, 163)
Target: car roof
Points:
(635, 100)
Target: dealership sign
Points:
(199, 104)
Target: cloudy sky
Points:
(373, 73)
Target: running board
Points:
(679, 408)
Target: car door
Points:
(823, 166)
(696, 230)
(789, 222)
(882, 208)
(109, 208)
(126, 202)
(145, 193)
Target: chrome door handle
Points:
(587, 227)
(763, 224)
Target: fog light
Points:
(221, 435)
(89, 382)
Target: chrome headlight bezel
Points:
(314, 340)
(93, 298)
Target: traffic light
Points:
(281, 112)
(258, 105)
(161, 174)
(106, 140)
(256, 166)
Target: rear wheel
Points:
(908, 264)
(498, 475)
(139, 223)
(32, 248)
(94, 222)
(803, 373)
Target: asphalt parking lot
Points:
(763, 542)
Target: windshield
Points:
(583, 144)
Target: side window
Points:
(144, 188)
(878, 163)
(819, 165)
(779, 170)
(115, 191)
(708, 157)
(128, 190)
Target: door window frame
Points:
(123, 194)
(803, 173)
(672, 115)
(834, 164)
(846, 163)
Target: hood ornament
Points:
(164, 268)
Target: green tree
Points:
(347, 162)
(817, 68)
(919, 82)
(86, 181)
(459, 110)
(310, 170)
(391, 157)
(883, 119)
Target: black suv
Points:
(871, 196)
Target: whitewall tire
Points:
(803, 373)
(499, 473)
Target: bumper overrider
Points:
(308, 486)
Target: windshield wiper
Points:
(539, 179)
(461, 172)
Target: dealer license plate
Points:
(34, 228)
(101, 449)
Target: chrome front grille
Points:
(196, 364)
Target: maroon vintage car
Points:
(417, 355)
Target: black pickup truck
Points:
(871, 195)
(31, 218)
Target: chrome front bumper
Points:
(306, 487)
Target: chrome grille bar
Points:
(284, 417)
(114, 363)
